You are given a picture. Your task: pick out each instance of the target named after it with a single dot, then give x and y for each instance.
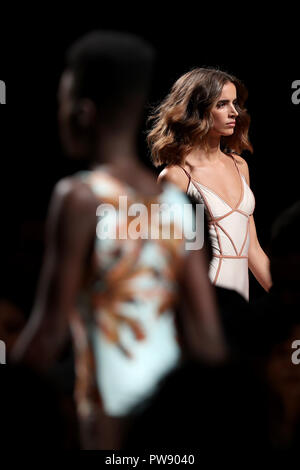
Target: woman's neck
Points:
(210, 155)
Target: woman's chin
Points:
(228, 132)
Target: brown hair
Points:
(183, 119)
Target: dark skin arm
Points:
(198, 313)
(70, 234)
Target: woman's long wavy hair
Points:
(183, 120)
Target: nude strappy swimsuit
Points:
(229, 233)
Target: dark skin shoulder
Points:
(138, 177)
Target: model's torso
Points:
(124, 329)
(222, 178)
(229, 202)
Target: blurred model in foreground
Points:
(118, 293)
(198, 132)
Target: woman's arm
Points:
(198, 314)
(71, 226)
(199, 319)
(259, 263)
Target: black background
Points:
(262, 49)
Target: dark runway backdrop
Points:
(32, 53)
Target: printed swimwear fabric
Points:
(124, 327)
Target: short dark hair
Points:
(110, 67)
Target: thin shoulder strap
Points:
(234, 160)
(236, 165)
(187, 174)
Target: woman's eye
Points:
(221, 105)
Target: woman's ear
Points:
(85, 112)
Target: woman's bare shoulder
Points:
(174, 174)
(243, 166)
(239, 159)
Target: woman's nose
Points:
(233, 111)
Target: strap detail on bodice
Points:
(188, 175)
(215, 221)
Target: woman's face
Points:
(224, 112)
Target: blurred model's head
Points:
(103, 88)
(203, 103)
